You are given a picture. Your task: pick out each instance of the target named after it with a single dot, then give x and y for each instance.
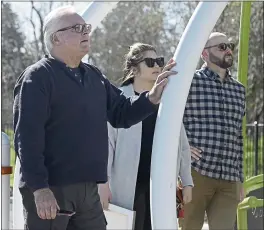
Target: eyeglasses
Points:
(78, 28)
(223, 46)
(150, 62)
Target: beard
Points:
(224, 63)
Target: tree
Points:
(38, 11)
(162, 24)
(158, 23)
(15, 57)
(132, 22)
(112, 40)
(229, 23)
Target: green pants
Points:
(218, 198)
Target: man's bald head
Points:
(215, 39)
(215, 54)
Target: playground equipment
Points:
(164, 160)
(6, 170)
(253, 188)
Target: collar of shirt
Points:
(80, 70)
(214, 76)
(62, 64)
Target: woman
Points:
(130, 149)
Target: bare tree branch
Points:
(36, 43)
(50, 6)
(41, 26)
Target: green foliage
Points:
(158, 23)
(15, 57)
(123, 27)
(161, 24)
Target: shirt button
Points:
(226, 128)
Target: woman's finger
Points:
(169, 66)
(165, 75)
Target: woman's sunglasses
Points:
(223, 46)
(150, 62)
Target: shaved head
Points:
(213, 52)
(214, 38)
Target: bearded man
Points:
(213, 121)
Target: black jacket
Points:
(61, 125)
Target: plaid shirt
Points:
(213, 122)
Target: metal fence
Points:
(253, 147)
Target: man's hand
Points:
(46, 203)
(196, 153)
(105, 195)
(187, 194)
(162, 80)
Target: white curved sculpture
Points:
(167, 131)
(94, 14)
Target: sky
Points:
(23, 9)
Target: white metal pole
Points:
(166, 137)
(6, 170)
(18, 218)
(96, 12)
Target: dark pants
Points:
(142, 207)
(82, 198)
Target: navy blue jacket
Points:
(60, 124)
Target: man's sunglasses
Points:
(150, 62)
(78, 28)
(223, 46)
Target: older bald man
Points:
(213, 121)
(61, 109)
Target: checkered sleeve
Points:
(240, 146)
(240, 158)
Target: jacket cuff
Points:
(187, 181)
(35, 188)
(152, 106)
